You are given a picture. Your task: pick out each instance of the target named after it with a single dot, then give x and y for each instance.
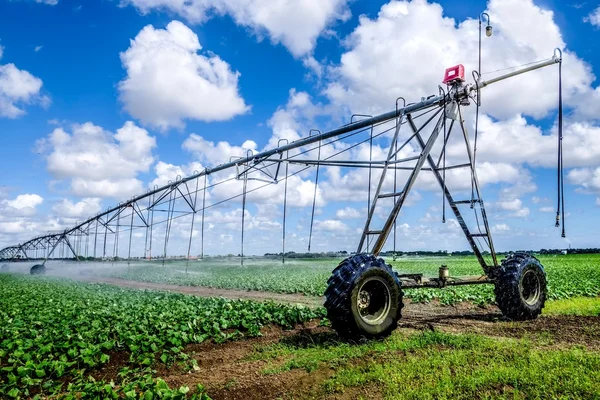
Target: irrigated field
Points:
(568, 276)
(62, 338)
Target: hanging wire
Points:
(398, 121)
(243, 215)
(441, 90)
(312, 215)
(560, 208)
(192, 227)
(169, 222)
(116, 244)
(476, 77)
(203, 209)
(130, 235)
(285, 186)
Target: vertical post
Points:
(312, 215)
(285, 186)
(243, 214)
(147, 227)
(203, 208)
(151, 226)
(130, 235)
(96, 238)
(168, 223)
(192, 227)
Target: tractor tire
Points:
(521, 287)
(363, 298)
(38, 269)
(5, 268)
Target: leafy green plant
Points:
(54, 333)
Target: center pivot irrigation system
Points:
(364, 295)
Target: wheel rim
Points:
(373, 301)
(531, 287)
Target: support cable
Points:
(192, 227)
(312, 216)
(560, 208)
(243, 215)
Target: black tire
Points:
(363, 298)
(5, 268)
(521, 287)
(38, 269)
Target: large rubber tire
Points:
(363, 284)
(38, 269)
(521, 287)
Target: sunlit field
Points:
(568, 276)
(63, 338)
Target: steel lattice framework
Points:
(428, 122)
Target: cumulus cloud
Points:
(410, 44)
(84, 208)
(587, 178)
(168, 81)
(593, 17)
(24, 205)
(99, 163)
(348, 213)
(49, 2)
(18, 88)
(296, 25)
(166, 172)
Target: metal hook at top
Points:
(559, 51)
(484, 14)
(403, 103)
(313, 130)
(177, 178)
(282, 140)
(359, 115)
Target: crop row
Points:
(568, 276)
(55, 334)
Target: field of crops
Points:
(568, 276)
(67, 339)
(56, 335)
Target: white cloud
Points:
(24, 205)
(166, 172)
(99, 163)
(593, 17)
(25, 200)
(547, 209)
(348, 213)
(168, 81)
(84, 208)
(411, 43)
(49, 2)
(598, 201)
(498, 228)
(18, 88)
(37, 48)
(331, 225)
(587, 178)
(296, 25)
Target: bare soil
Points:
(202, 291)
(228, 372)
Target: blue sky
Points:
(278, 75)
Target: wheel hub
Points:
(530, 287)
(373, 301)
(364, 299)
